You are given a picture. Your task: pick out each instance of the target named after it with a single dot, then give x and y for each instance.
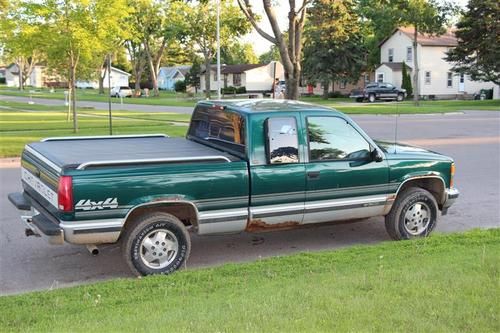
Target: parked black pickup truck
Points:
(379, 91)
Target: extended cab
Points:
(252, 165)
(378, 91)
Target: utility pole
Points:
(109, 96)
(218, 50)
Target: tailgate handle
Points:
(313, 175)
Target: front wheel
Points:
(156, 243)
(371, 98)
(414, 214)
(400, 97)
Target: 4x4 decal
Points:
(93, 205)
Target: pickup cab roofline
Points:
(265, 105)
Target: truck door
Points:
(343, 180)
(277, 173)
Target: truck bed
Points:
(87, 152)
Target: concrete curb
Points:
(10, 162)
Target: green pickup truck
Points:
(253, 165)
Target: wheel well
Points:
(183, 211)
(434, 185)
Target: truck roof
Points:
(266, 105)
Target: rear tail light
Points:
(452, 174)
(65, 194)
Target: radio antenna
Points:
(396, 129)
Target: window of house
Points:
(333, 138)
(409, 53)
(380, 77)
(391, 55)
(282, 140)
(342, 84)
(237, 79)
(427, 79)
(367, 78)
(449, 81)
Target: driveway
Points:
(472, 139)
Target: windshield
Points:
(218, 128)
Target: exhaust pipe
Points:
(93, 249)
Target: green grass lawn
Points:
(346, 105)
(406, 107)
(18, 127)
(165, 98)
(446, 283)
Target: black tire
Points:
(371, 98)
(359, 99)
(400, 97)
(134, 244)
(406, 221)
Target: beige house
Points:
(254, 77)
(34, 80)
(435, 77)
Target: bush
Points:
(2, 80)
(241, 90)
(180, 86)
(335, 94)
(406, 81)
(228, 90)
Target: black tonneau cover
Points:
(72, 153)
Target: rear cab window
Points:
(219, 128)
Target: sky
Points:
(261, 45)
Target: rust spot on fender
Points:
(262, 226)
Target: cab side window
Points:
(282, 140)
(333, 138)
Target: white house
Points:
(119, 78)
(36, 79)
(169, 75)
(254, 77)
(435, 76)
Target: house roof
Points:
(236, 69)
(171, 71)
(446, 39)
(119, 71)
(395, 66)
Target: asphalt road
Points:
(472, 139)
(116, 105)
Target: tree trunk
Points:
(102, 74)
(72, 96)
(416, 86)
(207, 76)
(325, 85)
(20, 67)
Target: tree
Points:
(478, 51)
(333, 49)
(426, 17)
(193, 76)
(76, 35)
(200, 26)
(21, 39)
(272, 55)
(406, 80)
(290, 49)
(238, 53)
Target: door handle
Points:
(313, 175)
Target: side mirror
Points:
(377, 156)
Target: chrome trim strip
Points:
(42, 158)
(152, 160)
(223, 215)
(423, 177)
(340, 203)
(91, 224)
(64, 138)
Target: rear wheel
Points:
(156, 243)
(371, 98)
(359, 99)
(414, 214)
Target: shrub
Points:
(228, 90)
(180, 86)
(335, 94)
(406, 83)
(2, 80)
(241, 90)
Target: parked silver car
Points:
(122, 91)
